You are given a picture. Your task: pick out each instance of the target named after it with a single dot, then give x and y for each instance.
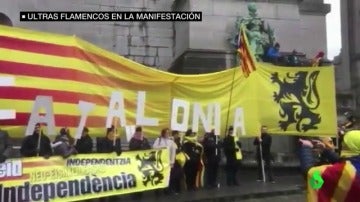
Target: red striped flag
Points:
(247, 60)
(341, 182)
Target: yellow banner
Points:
(288, 100)
(83, 177)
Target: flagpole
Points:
(231, 92)
(262, 161)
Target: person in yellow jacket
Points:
(233, 156)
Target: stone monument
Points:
(259, 36)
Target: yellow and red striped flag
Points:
(341, 182)
(247, 60)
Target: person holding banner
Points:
(137, 143)
(84, 145)
(263, 155)
(63, 144)
(164, 141)
(5, 147)
(106, 144)
(233, 156)
(36, 144)
(212, 158)
(177, 173)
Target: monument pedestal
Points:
(195, 61)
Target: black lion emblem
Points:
(151, 167)
(298, 97)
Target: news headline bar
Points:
(110, 16)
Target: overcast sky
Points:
(333, 27)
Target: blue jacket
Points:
(272, 53)
(306, 158)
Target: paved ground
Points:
(286, 188)
(282, 198)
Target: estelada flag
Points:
(341, 182)
(247, 60)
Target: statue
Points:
(259, 37)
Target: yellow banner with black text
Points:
(83, 177)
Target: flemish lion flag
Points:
(247, 60)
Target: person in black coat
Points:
(30, 146)
(212, 158)
(106, 144)
(138, 142)
(194, 151)
(177, 173)
(5, 146)
(265, 140)
(232, 163)
(84, 145)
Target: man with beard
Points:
(212, 158)
(36, 144)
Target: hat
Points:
(352, 140)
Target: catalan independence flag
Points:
(247, 60)
(341, 182)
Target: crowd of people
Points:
(190, 157)
(323, 151)
(274, 56)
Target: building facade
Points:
(186, 47)
(347, 71)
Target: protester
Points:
(212, 158)
(177, 173)
(306, 155)
(273, 54)
(192, 167)
(233, 157)
(110, 143)
(264, 143)
(84, 145)
(164, 141)
(5, 147)
(30, 146)
(63, 144)
(343, 150)
(137, 143)
(318, 59)
(5, 20)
